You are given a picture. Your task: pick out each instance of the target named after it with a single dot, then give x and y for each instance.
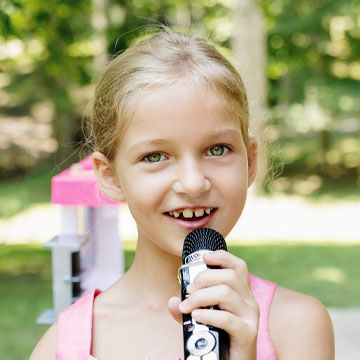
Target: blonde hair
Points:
(161, 60)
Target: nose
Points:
(191, 179)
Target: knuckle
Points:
(227, 321)
(254, 306)
(226, 291)
(252, 327)
(233, 277)
(242, 265)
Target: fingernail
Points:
(190, 288)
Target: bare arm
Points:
(300, 327)
(45, 348)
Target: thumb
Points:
(173, 307)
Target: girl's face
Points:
(181, 165)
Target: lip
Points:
(194, 224)
(192, 207)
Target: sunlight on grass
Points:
(11, 205)
(22, 193)
(330, 274)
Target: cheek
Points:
(147, 188)
(233, 186)
(232, 179)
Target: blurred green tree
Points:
(39, 61)
(53, 49)
(314, 70)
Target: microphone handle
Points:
(201, 342)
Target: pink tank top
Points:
(74, 325)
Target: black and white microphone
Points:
(201, 342)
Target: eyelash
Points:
(225, 150)
(146, 158)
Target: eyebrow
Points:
(150, 142)
(232, 134)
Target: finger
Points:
(233, 325)
(214, 277)
(225, 260)
(173, 307)
(222, 296)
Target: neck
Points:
(153, 274)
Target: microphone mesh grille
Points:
(203, 239)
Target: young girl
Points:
(170, 123)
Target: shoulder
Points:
(300, 324)
(45, 348)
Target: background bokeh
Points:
(51, 53)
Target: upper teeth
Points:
(188, 213)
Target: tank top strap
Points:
(74, 329)
(263, 291)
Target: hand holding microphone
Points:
(219, 304)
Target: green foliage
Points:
(54, 49)
(308, 170)
(7, 28)
(314, 46)
(314, 72)
(129, 20)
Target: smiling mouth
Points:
(191, 215)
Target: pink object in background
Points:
(77, 185)
(88, 251)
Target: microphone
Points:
(201, 342)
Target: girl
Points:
(170, 123)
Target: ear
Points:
(106, 177)
(252, 160)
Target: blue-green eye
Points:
(155, 157)
(218, 150)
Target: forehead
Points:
(179, 116)
(177, 104)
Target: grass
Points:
(21, 193)
(25, 291)
(329, 272)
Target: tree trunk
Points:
(249, 49)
